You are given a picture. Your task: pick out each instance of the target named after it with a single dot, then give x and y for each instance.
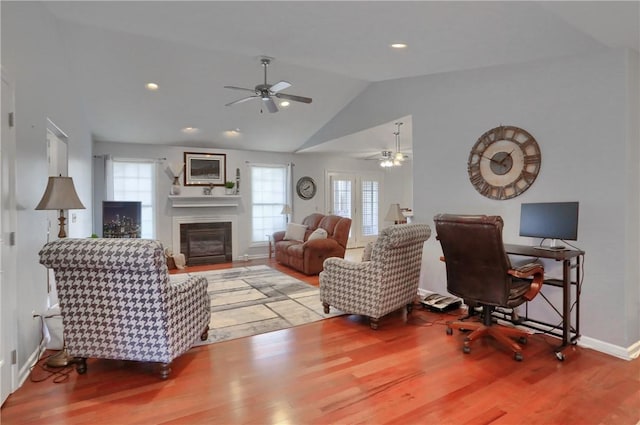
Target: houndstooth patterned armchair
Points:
(385, 283)
(117, 301)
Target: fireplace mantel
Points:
(181, 201)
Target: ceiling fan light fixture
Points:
(285, 103)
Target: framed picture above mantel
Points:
(205, 169)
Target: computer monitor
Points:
(550, 220)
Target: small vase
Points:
(175, 186)
(229, 191)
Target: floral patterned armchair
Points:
(386, 282)
(117, 301)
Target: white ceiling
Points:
(329, 51)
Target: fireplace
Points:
(206, 243)
(206, 239)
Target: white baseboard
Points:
(25, 370)
(629, 353)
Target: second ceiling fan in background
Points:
(266, 92)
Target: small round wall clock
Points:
(306, 187)
(504, 162)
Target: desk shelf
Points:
(571, 260)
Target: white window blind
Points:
(268, 196)
(134, 180)
(370, 192)
(342, 198)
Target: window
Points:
(268, 195)
(369, 208)
(135, 181)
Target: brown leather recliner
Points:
(308, 256)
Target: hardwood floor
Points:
(339, 371)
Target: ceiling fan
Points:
(266, 91)
(389, 158)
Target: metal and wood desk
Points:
(571, 259)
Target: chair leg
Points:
(326, 308)
(165, 370)
(81, 365)
(373, 323)
(409, 308)
(205, 334)
(502, 334)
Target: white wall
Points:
(578, 109)
(34, 55)
(313, 165)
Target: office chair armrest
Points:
(534, 270)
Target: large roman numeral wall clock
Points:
(504, 162)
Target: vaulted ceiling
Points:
(329, 51)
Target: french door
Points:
(356, 196)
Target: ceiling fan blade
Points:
(244, 99)
(280, 85)
(271, 105)
(240, 88)
(293, 97)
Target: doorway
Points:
(356, 196)
(58, 160)
(8, 255)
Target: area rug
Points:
(254, 300)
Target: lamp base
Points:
(60, 359)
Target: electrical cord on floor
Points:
(59, 374)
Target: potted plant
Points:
(229, 187)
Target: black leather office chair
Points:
(479, 270)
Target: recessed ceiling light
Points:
(190, 130)
(284, 103)
(399, 45)
(232, 133)
(151, 86)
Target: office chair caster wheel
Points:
(560, 356)
(466, 349)
(523, 340)
(449, 331)
(518, 357)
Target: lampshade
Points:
(394, 214)
(60, 194)
(286, 209)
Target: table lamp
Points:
(60, 194)
(286, 210)
(395, 214)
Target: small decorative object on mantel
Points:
(176, 171)
(228, 188)
(175, 186)
(207, 190)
